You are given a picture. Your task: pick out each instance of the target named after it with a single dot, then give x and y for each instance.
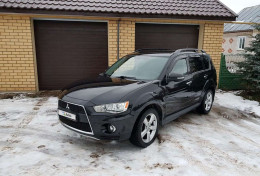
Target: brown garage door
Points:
(68, 51)
(166, 36)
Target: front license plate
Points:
(68, 115)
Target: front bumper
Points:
(78, 131)
(95, 125)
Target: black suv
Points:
(139, 93)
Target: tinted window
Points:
(206, 62)
(142, 67)
(180, 67)
(196, 64)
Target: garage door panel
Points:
(68, 51)
(166, 36)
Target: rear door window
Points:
(206, 62)
(196, 64)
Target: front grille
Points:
(73, 108)
(82, 123)
(78, 125)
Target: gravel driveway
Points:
(32, 142)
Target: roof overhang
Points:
(229, 32)
(117, 15)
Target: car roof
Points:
(167, 52)
(158, 54)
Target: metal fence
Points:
(229, 79)
(231, 60)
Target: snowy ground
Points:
(225, 142)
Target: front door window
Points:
(180, 67)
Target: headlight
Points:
(112, 108)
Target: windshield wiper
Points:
(125, 77)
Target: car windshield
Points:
(143, 67)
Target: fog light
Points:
(111, 128)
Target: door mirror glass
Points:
(176, 77)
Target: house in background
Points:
(45, 45)
(238, 36)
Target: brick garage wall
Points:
(16, 54)
(211, 39)
(126, 39)
(17, 67)
(112, 42)
(212, 42)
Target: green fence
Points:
(227, 80)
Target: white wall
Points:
(230, 42)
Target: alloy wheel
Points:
(149, 128)
(208, 101)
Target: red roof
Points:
(198, 8)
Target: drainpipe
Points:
(118, 40)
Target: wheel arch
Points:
(151, 105)
(209, 85)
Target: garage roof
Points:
(162, 8)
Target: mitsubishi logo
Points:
(67, 107)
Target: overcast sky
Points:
(238, 5)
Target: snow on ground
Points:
(225, 142)
(230, 100)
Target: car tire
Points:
(206, 103)
(146, 129)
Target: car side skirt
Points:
(178, 114)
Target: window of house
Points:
(241, 42)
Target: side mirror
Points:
(175, 77)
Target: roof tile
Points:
(171, 7)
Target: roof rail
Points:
(151, 50)
(154, 50)
(189, 50)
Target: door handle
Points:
(189, 83)
(180, 78)
(205, 76)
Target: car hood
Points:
(103, 90)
